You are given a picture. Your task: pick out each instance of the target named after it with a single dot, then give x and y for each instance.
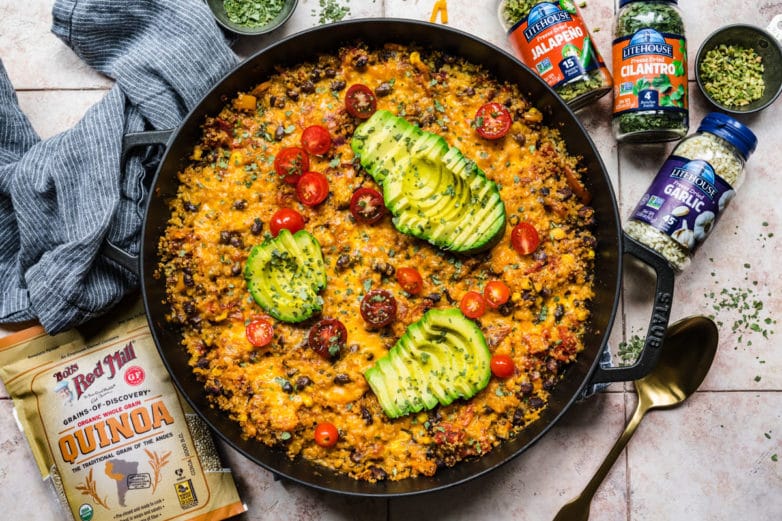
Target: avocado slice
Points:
(438, 359)
(284, 275)
(433, 192)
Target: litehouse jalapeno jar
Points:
(552, 39)
(650, 72)
(692, 189)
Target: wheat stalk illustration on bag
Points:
(157, 462)
(89, 488)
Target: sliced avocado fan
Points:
(440, 358)
(284, 275)
(433, 192)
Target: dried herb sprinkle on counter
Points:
(253, 13)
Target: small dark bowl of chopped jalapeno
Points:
(739, 69)
(251, 17)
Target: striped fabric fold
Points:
(62, 198)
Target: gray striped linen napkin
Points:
(63, 198)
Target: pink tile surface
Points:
(710, 459)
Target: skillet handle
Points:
(661, 314)
(130, 141)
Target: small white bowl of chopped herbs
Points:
(252, 17)
(739, 69)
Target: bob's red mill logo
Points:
(109, 366)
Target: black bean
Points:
(540, 255)
(565, 193)
(559, 312)
(189, 307)
(287, 387)
(225, 237)
(279, 133)
(236, 241)
(552, 364)
(342, 379)
(519, 138)
(307, 87)
(469, 91)
(506, 309)
(256, 227)
(344, 261)
(434, 297)
(545, 190)
(525, 388)
(356, 456)
(236, 268)
(330, 72)
(378, 473)
(384, 89)
(366, 416)
(535, 402)
(518, 418)
(292, 94)
(240, 204)
(302, 382)
(360, 62)
(212, 388)
(316, 74)
(337, 85)
(272, 101)
(189, 207)
(384, 268)
(187, 278)
(202, 363)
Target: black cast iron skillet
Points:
(612, 244)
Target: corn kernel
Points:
(557, 234)
(236, 158)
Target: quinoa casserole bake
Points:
(381, 261)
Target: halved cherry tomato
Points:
(492, 121)
(259, 332)
(312, 188)
(328, 338)
(502, 366)
(360, 101)
(378, 308)
(290, 163)
(326, 434)
(316, 140)
(496, 293)
(287, 218)
(410, 280)
(472, 304)
(367, 205)
(524, 238)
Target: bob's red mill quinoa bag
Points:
(108, 428)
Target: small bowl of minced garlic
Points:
(738, 68)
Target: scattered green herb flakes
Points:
(253, 13)
(630, 350)
(774, 457)
(743, 309)
(732, 75)
(331, 11)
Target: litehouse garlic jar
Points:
(692, 189)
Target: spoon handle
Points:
(616, 450)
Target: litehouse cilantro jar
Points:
(552, 39)
(650, 72)
(692, 189)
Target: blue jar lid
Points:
(724, 126)
(622, 3)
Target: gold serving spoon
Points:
(685, 357)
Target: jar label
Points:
(553, 40)
(684, 201)
(650, 72)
